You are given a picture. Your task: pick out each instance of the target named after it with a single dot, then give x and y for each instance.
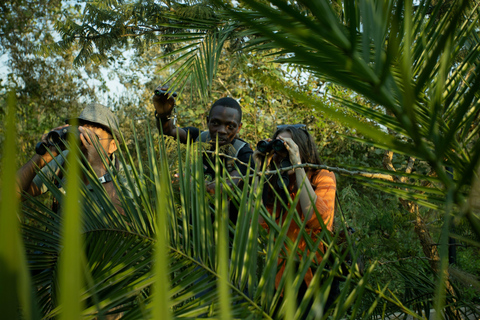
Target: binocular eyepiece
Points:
(57, 137)
(265, 146)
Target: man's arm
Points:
(28, 171)
(164, 105)
(26, 174)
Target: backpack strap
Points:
(238, 144)
(203, 137)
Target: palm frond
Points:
(14, 277)
(123, 254)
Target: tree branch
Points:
(314, 166)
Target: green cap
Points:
(99, 114)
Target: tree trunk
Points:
(429, 247)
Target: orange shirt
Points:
(324, 184)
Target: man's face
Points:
(224, 124)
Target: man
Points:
(96, 127)
(224, 123)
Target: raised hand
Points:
(163, 101)
(293, 151)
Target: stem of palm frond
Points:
(225, 87)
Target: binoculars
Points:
(57, 137)
(265, 146)
(164, 91)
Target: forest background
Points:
(57, 53)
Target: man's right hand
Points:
(163, 103)
(53, 149)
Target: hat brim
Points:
(106, 128)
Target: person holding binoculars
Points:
(96, 126)
(291, 146)
(224, 122)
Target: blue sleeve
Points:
(245, 155)
(194, 132)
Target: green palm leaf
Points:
(122, 256)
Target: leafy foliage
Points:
(45, 82)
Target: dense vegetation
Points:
(389, 90)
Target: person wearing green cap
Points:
(97, 126)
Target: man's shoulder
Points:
(243, 146)
(245, 153)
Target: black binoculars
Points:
(164, 91)
(265, 146)
(57, 137)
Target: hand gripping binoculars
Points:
(57, 137)
(265, 146)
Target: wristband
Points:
(105, 178)
(165, 119)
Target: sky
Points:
(113, 83)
